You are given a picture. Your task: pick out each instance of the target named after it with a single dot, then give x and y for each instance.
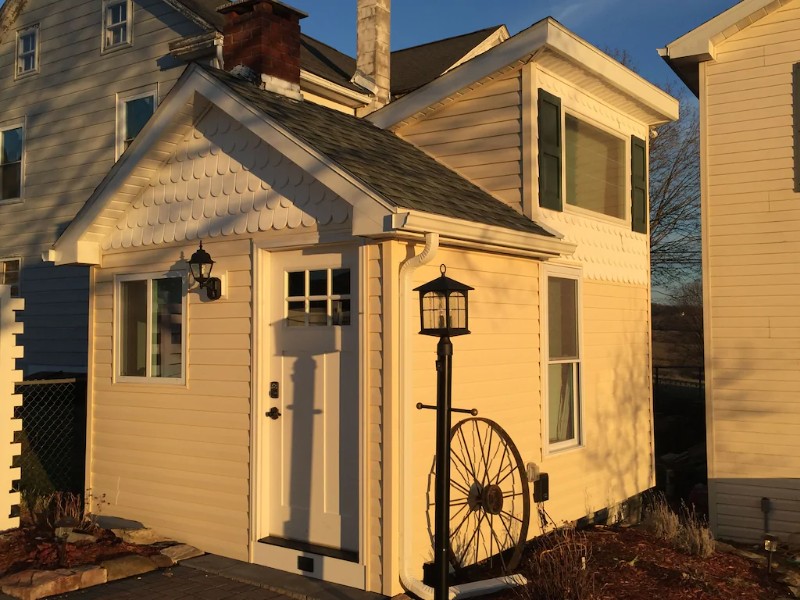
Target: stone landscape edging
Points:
(33, 584)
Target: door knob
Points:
(273, 413)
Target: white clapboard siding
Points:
(480, 136)
(69, 115)
(10, 350)
(752, 280)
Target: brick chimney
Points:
(264, 36)
(373, 51)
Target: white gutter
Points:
(407, 580)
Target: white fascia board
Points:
(498, 36)
(182, 9)
(479, 234)
(66, 248)
(345, 95)
(699, 42)
(521, 47)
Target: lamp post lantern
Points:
(444, 313)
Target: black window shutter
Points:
(549, 151)
(638, 185)
(796, 123)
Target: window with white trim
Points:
(9, 274)
(27, 51)
(133, 112)
(117, 23)
(562, 374)
(11, 147)
(150, 328)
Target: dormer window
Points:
(117, 24)
(28, 51)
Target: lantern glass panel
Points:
(434, 311)
(458, 311)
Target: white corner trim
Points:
(521, 47)
(489, 236)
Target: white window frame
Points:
(573, 273)
(626, 165)
(104, 26)
(8, 127)
(122, 109)
(18, 73)
(6, 259)
(117, 345)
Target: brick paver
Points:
(176, 583)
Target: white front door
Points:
(310, 421)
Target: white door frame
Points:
(335, 570)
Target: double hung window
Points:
(563, 365)
(116, 23)
(11, 142)
(28, 51)
(150, 329)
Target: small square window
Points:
(11, 146)
(9, 274)
(28, 51)
(116, 23)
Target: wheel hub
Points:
(492, 499)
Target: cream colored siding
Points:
(497, 369)
(480, 136)
(752, 280)
(176, 457)
(69, 115)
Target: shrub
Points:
(557, 568)
(685, 530)
(661, 520)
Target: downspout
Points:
(407, 580)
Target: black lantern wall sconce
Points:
(201, 264)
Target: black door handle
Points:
(273, 413)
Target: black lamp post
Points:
(444, 312)
(201, 264)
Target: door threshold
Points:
(337, 553)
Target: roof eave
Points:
(520, 48)
(479, 235)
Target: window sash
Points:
(116, 20)
(562, 369)
(137, 113)
(11, 148)
(27, 43)
(595, 168)
(9, 274)
(151, 329)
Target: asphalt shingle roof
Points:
(398, 171)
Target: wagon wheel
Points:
(489, 496)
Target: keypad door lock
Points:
(274, 389)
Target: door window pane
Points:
(309, 301)
(297, 283)
(318, 283)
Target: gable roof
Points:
(392, 185)
(652, 105)
(685, 54)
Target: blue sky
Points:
(638, 26)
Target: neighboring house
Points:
(743, 65)
(79, 80)
(277, 424)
